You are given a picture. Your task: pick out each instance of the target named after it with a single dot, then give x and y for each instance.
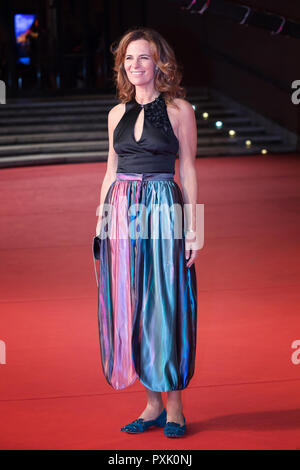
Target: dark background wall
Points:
(246, 63)
(287, 8)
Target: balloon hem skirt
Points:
(147, 296)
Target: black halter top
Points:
(156, 150)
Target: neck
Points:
(144, 98)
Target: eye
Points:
(142, 57)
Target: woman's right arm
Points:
(114, 116)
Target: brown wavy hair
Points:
(168, 76)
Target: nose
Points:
(135, 63)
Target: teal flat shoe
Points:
(172, 429)
(140, 425)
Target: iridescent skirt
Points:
(147, 296)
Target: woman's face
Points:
(138, 62)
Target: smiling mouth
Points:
(137, 73)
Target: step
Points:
(66, 147)
(74, 129)
(103, 135)
(71, 157)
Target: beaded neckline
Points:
(156, 113)
(146, 105)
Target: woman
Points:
(147, 302)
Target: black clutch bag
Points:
(96, 247)
(96, 253)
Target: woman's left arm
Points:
(187, 136)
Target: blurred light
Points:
(24, 60)
(194, 106)
(248, 143)
(231, 133)
(205, 115)
(264, 151)
(219, 124)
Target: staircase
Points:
(74, 129)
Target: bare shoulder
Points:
(184, 107)
(115, 114)
(181, 111)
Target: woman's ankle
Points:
(155, 405)
(175, 407)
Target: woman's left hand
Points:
(190, 252)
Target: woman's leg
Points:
(154, 406)
(174, 407)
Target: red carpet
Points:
(245, 391)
